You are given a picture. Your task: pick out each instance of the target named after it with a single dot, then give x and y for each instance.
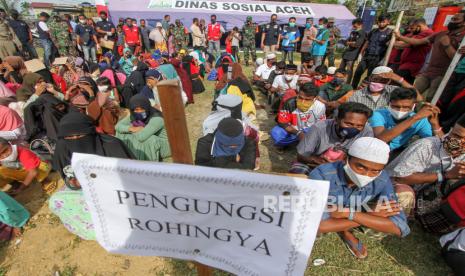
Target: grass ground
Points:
(47, 247)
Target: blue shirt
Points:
(383, 118)
(86, 33)
(340, 194)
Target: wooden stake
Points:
(178, 135)
(449, 72)
(393, 38)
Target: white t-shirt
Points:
(43, 26)
(264, 71)
(459, 242)
(282, 85)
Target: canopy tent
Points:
(229, 13)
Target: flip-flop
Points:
(350, 245)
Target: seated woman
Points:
(185, 80)
(104, 109)
(19, 164)
(15, 68)
(11, 125)
(143, 131)
(127, 61)
(134, 83)
(41, 117)
(78, 134)
(82, 93)
(297, 116)
(193, 70)
(7, 96)
(227, 147)
(13, 216)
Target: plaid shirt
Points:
(363, 96)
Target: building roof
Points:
(41, 5)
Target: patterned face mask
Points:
(454, 146)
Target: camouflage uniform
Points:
(334, 36)
(248, 40)
(181, 38)
(60, 37)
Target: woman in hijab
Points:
(227, 147)
(104, 109)
(27, 89)
(81, 94)
(134, 83)
(71, 72)
(193, 70)
(185, 80)
(127, 61)
(16, 68)
(78, 134)
(6, 95)
(41, 117)
(143, 131)
(11, 125)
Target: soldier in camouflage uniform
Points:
(248, 40)
(59, 33)
(181, 36)
(334, 36)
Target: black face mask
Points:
(213, 21)
(225, 67)
(453, 26)
(273, 21)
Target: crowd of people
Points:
(377, 140)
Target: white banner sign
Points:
(247, 7)
(221, 218)
(399, 5)
(430, 15)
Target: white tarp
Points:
(213, 216)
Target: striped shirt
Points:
(363, 96)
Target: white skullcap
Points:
(229, 100)
(159, 24)
(270, 56)
(381, 70)
(331, 70)
(370, 149)
(259, 61)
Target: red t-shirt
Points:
(132, 35)
(413, 57)
(320, 82)
(28, 159)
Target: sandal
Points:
(354, 249)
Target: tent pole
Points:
(393, 38)
(178, 135)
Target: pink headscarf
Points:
(109, 74)
(9, 119)
(5, 92)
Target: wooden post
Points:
(449, 72)
(393, 38)
(178, 135)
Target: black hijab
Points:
(244, 86)
(91, 82)
(141, 101)
(76, 123)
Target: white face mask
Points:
(134, 68)
(288, 77)
(82, 21)
(399, 115)
(13, 156)
(359, 180)
(103, 88)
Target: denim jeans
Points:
(29, 48)
(90, 54)
(47, 44)
(214, 48)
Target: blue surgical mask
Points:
(308, 25)
(337, 81)
(140, 116)
(291, 24)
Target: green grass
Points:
(417, 254)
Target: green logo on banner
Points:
(154, 4)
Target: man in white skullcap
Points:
(260, 78)
(357, 184)
(376, 94)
